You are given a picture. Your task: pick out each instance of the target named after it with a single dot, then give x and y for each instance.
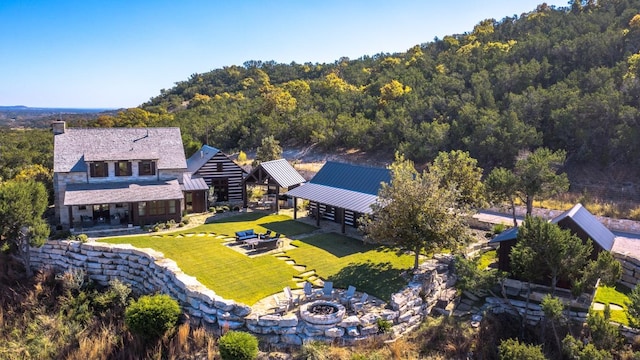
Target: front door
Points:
(101, 213)
(221, 188)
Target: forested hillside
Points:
(562, 78)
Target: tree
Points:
(268, 150)
(472, 278)
(502, 185)
(633, 307)
(553, 313)
(415, 212)
(537, 175)
(22, 204)
(543, 250)
(459, 170)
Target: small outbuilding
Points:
(275, 175)
(219, 172)
(341, 192)
(577, 219)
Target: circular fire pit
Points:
(322, 312)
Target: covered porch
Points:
(278, 176)
(123, 204)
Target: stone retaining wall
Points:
(630, 269)
(148, 271)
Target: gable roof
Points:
(77, 145)
(358, 178)
(579, 216)
(275, 171)
(121, 192)
(200, 157)
(582, 218)
(342, 198)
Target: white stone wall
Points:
(630, 269)
(148, 271)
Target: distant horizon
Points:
(26, 107)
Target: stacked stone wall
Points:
(148, 271)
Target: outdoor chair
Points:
(276, 236)
(308, 290)
(266, 235)
(358, 304)
(327, 290)
(292, 301)
(346, 297)
(282, 305)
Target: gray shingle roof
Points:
(358, 178)
(75, 146)
(123, 192)
(281, 172)
(199, 158)
(193, 183)
(589, 224)
(342, 198)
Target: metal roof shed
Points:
(275, 174)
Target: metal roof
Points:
(279, 171)
(200, 157)
(110, 193)
(76, 146)
(589, 224)
(509, 234)
(193, 183)
(342, 198)
(358, 178)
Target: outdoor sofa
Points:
(246, 235)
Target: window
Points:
(219, 167)
(156, 207)
(98, 169)
(221, 189)
(119, 205)
(142, 208)
(172, 207)
(147, 168)
(123, 168)
(82, 207)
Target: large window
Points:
(221, 188)
(142, 208)
(156, 207)
(123, 168)
(98, 169)
(172, 207)
(147, 168)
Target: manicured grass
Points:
(614, 295)
(347, 261)
(230, 274)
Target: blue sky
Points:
(120, 53)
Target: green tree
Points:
(538, 177)
(633, 307)
(512, 349)
(22, 204)
(472, 278)
(268, 150)
(415, 212)
(459, 170)
(553, 313)
(544, 251)
(502, 185)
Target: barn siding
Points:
(230, 170)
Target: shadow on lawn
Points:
(338, 245)
(288, 227)
(253, 216)
(378, 279)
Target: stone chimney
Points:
(58, 127)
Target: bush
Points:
(185, 220)
(82, 238)
(242, 156)
(498, 228)
(152, 315)
(512, 349)
(238, 345)
(212, 209)
(383, 325)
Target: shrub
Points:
(498, 228)
(82, 238)
(238, 345)
(315, 350)
(152, 315)
(157, 227)
(383, 325)
(242, 156)
(185, 220)
(511, 349)
(212, 209)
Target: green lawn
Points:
(235, 276)
(614, 295)
(347, 261)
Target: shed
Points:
(218, 171)
(342, 192)
(275, 175)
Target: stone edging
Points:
(148, 271)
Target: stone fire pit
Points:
(322, 312)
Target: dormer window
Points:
(147, 168)
(98, 169)
(123, 168)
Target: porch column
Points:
(244, 195)
(342, 221)
(317, 214)
(277, 199)
(70, 216)
(295, 208)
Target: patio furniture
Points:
(292, 300)
(308, 290)
(346, 297)
(252, 242)
(245, 235)
(327, 290)
(266, 244)
(282, 305)
(265, 235)
(358, 304)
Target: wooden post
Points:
(317, 214)
(344, 230)
(295, 208)
(245, 201)
(277, 199)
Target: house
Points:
(275, 175)
(342, 192)
(219, 172)
(577, 219)
(120, 175)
